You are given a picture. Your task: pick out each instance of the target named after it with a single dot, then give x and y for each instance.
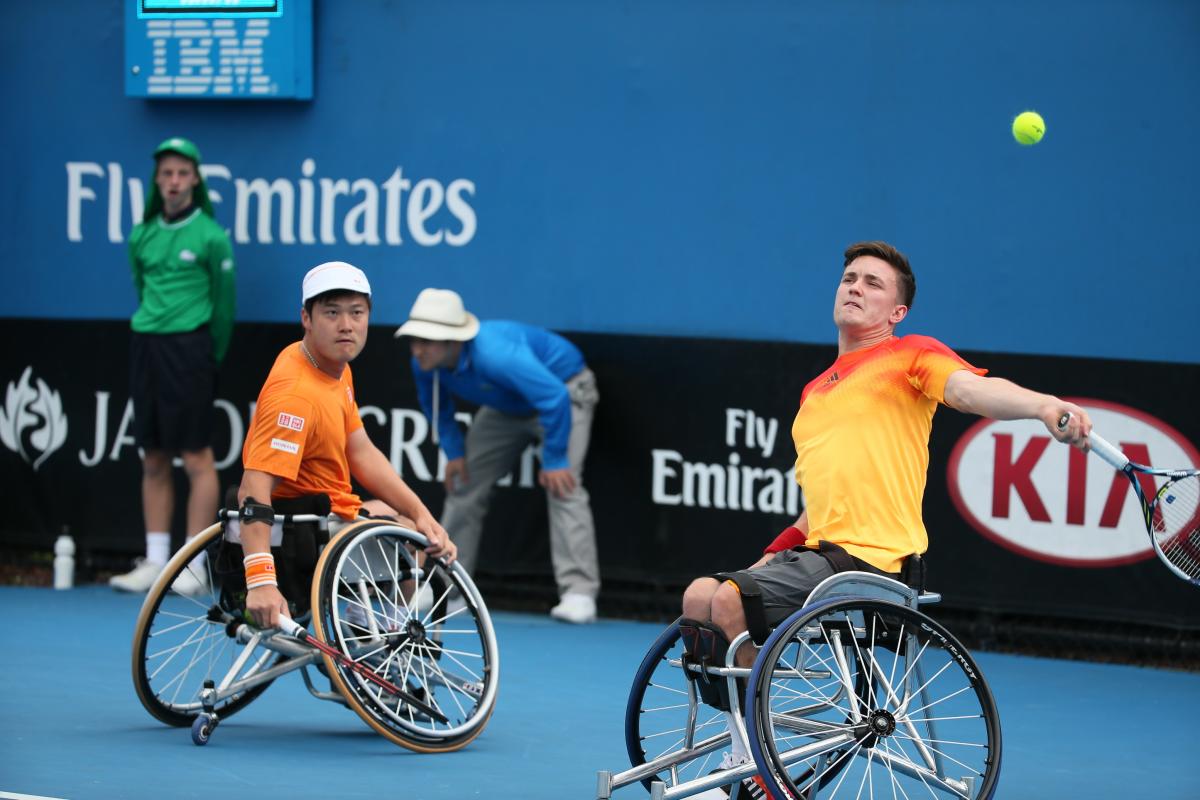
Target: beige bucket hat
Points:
(439, 315)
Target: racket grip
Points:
(291, 627)
(1103, 448)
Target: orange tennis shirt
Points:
(862, 446)
(300, 428)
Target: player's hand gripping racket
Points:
(1172, 515)
(295, 629)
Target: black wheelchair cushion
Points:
(295, 558)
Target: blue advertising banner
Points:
(658, 168)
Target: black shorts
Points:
(172, 381)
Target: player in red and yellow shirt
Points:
(307, 437)
(863, 424)
(862, 444)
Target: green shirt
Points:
(184, 277)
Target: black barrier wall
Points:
(689, 471)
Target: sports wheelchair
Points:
(856, 695)
(416, 623)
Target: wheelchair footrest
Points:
(705, 645)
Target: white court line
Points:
(15, 796)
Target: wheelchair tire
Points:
(656, 715)
(857, 697)
(448, 660)
(180, 641)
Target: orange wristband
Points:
(260, 570)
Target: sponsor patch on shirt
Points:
(290, 421)
(187, 255)
(285, 446)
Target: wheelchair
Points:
(856, 695)
(417, 623)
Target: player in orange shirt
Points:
(307, 437)
(862, 449)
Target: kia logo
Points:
(1021, 489)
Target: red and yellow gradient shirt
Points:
(862, 446)
(301, 425)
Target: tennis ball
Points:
(1028, 128)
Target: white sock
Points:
(197, 564)
(158, 547)
(737, 748)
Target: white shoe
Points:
(729, 760)
(579, 609)
(752, 788)
(190, 583)
(420, 605)
(139, 579)
(356, 615)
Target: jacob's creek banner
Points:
(689, 471)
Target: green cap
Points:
(177, 145)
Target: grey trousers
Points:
(493, 447)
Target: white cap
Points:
(439, 315)
(334, 275)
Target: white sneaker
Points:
(752, 788)
(420, 605)
(579, 609)
(190, 583)
(139, 579)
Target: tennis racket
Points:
(298, 631)
(1172, 515)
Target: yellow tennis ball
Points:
(1028, 128)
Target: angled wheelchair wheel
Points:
(378, 605)
(180, 641)
(857, 698)
(658, 723)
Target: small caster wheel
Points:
(202, 728)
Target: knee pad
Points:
(705, 644)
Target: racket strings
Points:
(1176, 524)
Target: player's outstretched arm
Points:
(997, 398)
(371, 468)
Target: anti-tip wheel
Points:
(202, 729)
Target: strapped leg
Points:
(752, 604)
(704, 644)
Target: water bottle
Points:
(64, 562)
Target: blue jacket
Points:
(515, 368)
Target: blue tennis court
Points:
(73, 727)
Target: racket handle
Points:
(1101, 447)
(291, 627)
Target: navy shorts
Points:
(172, 380)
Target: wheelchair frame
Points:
(359, 606)
(857, 716)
